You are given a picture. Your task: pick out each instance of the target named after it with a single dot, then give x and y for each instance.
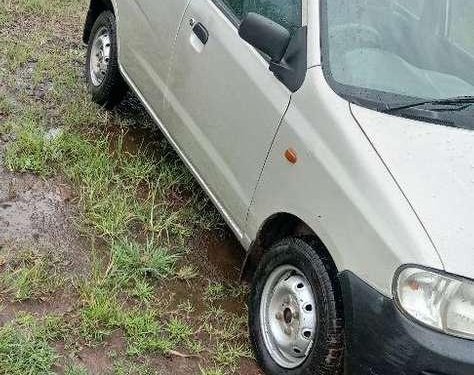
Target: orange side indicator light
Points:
(291, 156)
(414, 285)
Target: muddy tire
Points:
(296, 316)
(104, 81)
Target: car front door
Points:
(224, 105)
(147, 31)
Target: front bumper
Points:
(380, 340)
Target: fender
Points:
(96, 7)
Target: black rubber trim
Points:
(380, 340)
(201, 32)
(291, 71)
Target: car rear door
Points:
(224, 106)
(147, 31)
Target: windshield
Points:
(388, 53)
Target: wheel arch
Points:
(277, 227)
(96, 7)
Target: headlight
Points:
(441, 301)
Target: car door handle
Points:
(201, 32)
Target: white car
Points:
(336, 139)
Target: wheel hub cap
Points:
(288, 316)
(100, 56)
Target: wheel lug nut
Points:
(279, 315)
(287, 331)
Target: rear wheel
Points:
(104, 80)
(296, 321)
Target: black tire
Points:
(326, 355)
(113, 88)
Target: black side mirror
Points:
(265, 35)
(288, 54)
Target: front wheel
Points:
(104, 80)
(296, 319)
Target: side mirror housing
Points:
(265, 35)
(287, 53)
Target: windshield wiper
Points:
(462, 101)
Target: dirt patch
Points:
(220, 255)
(38, 214)
(59, 304)
(98, 360)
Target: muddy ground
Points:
(57, 244)
(38, 213)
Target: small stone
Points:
(53, 134)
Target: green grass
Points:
(142, 291)
(30, 275)
(109, 182)
(143, 329)
(226, 327)
(186, 308)
(4, 16)
(45, 8)
(227, 355)
(143, 333)
(215, 291)
(75, 370)
(178, 331)
(101, 313)
(25, 347)
(218, 291)
(33, 149)
(187, 273)
(212, 371)
(132, 260)
(17, 54)
(6, 109)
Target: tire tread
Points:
(326, 360)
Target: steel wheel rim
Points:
(288, 317)
(100, 56)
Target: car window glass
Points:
(414, 7)
(235, 6)
(285, 12)
(461, 24)
(379, 55)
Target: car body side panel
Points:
(223, 108)
(147, 31)
(341, 189)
